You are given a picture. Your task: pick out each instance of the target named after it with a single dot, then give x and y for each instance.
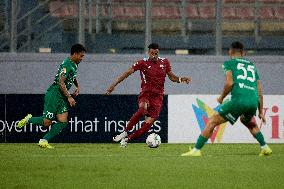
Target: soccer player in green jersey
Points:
(57, 98)
(242, 81)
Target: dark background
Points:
(89, 107)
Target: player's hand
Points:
(186, 80)
(76, 92)
(109, 90)
(220, 99)
(71, 101)
(262, 118)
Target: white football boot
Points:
(119, 137)
(123, 142)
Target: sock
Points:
(55, 129)
(36, 120)
(259, 137)
(200, 142)
(263, 147)
(144, 128)
(135, 118)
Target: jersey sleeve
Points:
(65, 69)
(138, 65)
(168, 66)
(226, 67)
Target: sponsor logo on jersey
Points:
(242, 85)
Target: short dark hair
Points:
(77, 48)
(237, 46)
(153, 46)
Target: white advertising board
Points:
(187, 115)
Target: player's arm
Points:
(120, 79)
(260, 102)
(174, 78)
(227, 86)
(64, 90)
(77, 91)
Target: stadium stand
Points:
(199, 13)
(202, 9)
(229, 13)
(279, 12)
(245, 13)
(192, 12)
(266, 13)
(127, 17)
(206, 12)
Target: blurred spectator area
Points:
(128, 15)
(2, 15)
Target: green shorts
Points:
(233, 109)
(54, 103)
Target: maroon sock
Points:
(135, 118)
(144, 128)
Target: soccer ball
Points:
(153, 140)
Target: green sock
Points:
(259, 137)
(36, 120)
(200, 142)
(55, 130)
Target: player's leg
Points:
(145, 127)
(142, 111)
(153, 111)
(133, 120)
(56, 108)
(256, 133)
(43, 142)
(225, 113)
(57, 127)
(23, 122)
(34, 120)
(213, 121)
(48, 113)
(143, 104)
(153, 107)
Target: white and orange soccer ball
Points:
(153, 140)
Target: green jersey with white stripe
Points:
(245, 79)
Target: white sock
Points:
(195, 149)
(265, 146)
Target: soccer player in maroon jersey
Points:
(153, 71)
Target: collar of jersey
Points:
(73, 63)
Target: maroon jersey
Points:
(153, 74)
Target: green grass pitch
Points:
(26, 166)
